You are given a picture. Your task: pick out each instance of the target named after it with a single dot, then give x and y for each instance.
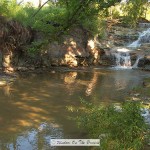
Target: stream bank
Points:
(142, 93)
(76, 49)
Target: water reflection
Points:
(121, 80)
(7, 90)
(33, 108)
(92, 84)
(35, 138)
(69, 80)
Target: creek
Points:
(36, 108)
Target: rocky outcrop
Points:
(77, 48)
(119, 37)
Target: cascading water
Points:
(137, 61)
(144, 37)
(123, 60)
(122, 55)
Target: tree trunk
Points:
(40, 3)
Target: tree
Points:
(40, 3)
(77, 10)
(133, 10)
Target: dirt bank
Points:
(77, 48)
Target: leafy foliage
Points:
(80, 11)
(58, 18)
(36, 46)
(133, 10)
(3, 7)
(120, 128)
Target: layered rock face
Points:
(81, 49)
(77, 48)
(130, 42)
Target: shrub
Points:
(36, 46)
(119, 129)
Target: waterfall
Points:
(144, 37)
(122, 55)
(123, 60)
(137, 61)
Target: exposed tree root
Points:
(12, 37)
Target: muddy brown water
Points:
(36, 108)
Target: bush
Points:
(36, 47)
(119, 129)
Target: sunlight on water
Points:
(34, 108)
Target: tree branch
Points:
(40, 8)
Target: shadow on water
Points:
(34, 108)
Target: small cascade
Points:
(123, 60)
(137, 61)
(122, 55)
(144, 37)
